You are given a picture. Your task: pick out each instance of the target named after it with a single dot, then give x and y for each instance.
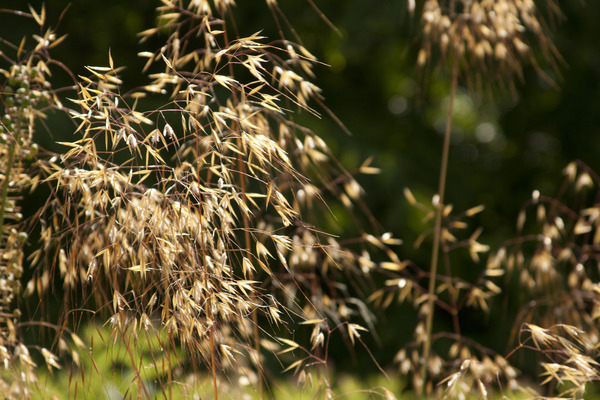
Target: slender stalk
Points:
(437, 233)
(453, 293)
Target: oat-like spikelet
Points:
(570, 360)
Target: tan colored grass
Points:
(198, 217)
(490, 38)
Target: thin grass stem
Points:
(438, 225)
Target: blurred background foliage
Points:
(504, 146)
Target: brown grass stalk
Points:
(437, 230)
(199, 215)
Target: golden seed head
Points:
(470, 29)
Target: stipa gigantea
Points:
(481, 39)
(194, 216)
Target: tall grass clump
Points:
(550, 262)
(186, 212)
(475, 43)
(181, 246)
